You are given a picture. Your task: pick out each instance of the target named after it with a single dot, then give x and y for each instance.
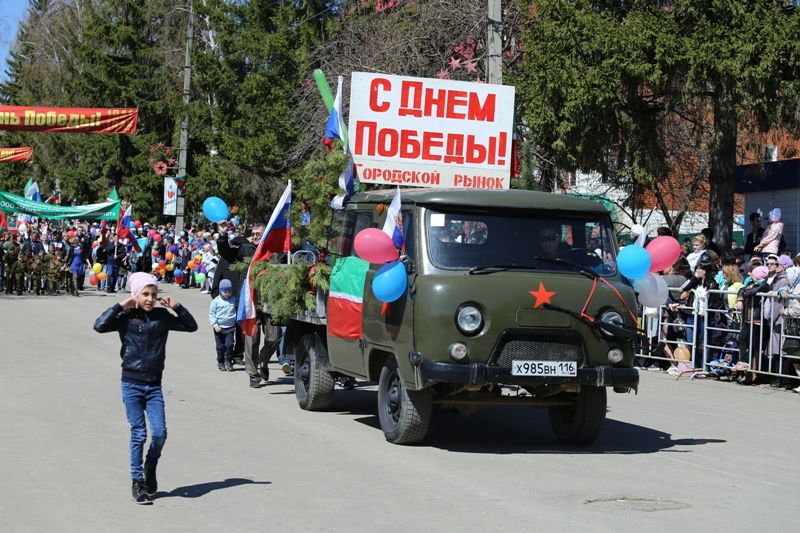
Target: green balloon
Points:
(7, 246)
(199, 278)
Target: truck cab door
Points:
(345, 299)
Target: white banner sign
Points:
(170, 197)
(424, 132)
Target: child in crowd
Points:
(222, 316)
(143, 330)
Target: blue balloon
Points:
(633, 261)
(215, 209)
(390, 282)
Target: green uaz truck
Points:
(507, 291)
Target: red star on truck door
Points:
(542, 295)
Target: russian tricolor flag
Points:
(277, 238)
(124, 228)
(335, 128)
(393, 227)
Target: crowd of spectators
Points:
(736, 313)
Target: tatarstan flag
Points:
(346, 296)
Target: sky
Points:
(13, 11)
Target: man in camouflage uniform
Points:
(66, 276)
(9, 258)
(18, 272)
(53, 274)
(38, 268)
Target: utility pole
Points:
(184, 146)
(494, 59)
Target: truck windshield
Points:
(535, 241)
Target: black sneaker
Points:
(150, 482)
(228, 366)
(221, 366)
(255, 382)
(139, 494)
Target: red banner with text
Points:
(68, 119)
(21, 154)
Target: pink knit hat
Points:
(760, 272)
(140, 280)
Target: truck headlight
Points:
(469, 319)
(610, 317)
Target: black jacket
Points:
(231, 253)
(144, 338)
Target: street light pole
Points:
(184, 146)
(494, 58)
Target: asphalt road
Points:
(680, 456)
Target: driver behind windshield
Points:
(550, 240)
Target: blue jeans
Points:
(111, 285)
(138, 399)
(698, 343)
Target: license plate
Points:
(544, 368)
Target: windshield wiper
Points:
(490, 269)
(575, 266)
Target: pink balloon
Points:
(664, 251)
(156, 237)
(375, 246)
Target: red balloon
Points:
(664, 251)
(93, 280)
(162, 263)
(151, 233)
(71, 234)
(137, 224)
(156, 237)
(155, 253)
(374, 246)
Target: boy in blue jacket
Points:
(222, 316)
(143, 330)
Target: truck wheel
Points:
(580, 423)
(313, 383)
(404, 415)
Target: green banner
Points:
(13, 203)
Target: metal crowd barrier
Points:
(720, 331)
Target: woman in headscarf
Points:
(791, 311)
(750, 307)
(771, 240)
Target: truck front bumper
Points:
(433, 372)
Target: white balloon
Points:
(640, 232)
(652, 289)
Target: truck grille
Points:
(536, 348)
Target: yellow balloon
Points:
(97, 267)
(681, 353)
(170, 267)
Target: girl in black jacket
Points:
(143, 331)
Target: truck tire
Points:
(313, 383)
(404, 415)
(580, 423)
